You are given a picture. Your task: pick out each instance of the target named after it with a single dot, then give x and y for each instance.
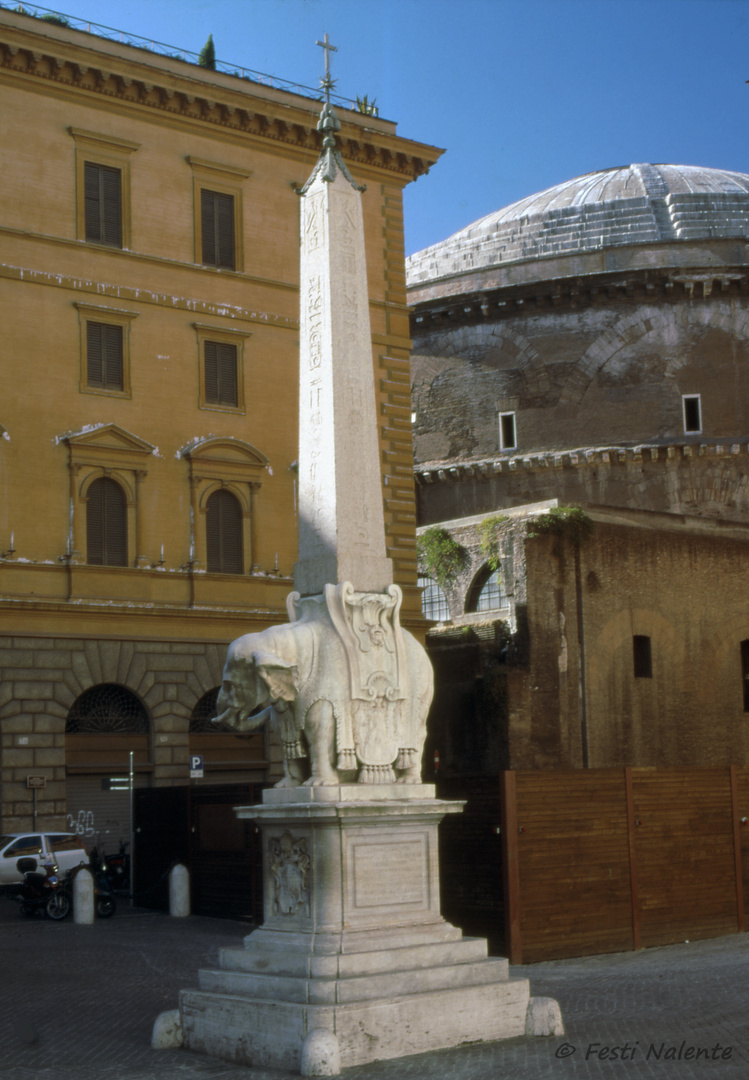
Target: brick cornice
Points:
(666, 284)
(579, 458)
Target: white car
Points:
(65, 849)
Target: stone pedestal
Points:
(353, 942)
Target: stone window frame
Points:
(108, 451)
(238, 467)
(228, 336)
(114, 317)
(684, 409)
(226, 180)
(100, 149)
(503, 443)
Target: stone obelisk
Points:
(341, 522)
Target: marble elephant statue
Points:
(346, 689)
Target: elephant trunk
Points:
(242, 721)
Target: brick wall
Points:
(684, 590)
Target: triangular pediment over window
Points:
(108, 438)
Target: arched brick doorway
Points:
(104, 724)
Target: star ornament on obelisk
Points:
(341, 520)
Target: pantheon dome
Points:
(632, 205)
(588, 343)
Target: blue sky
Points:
(522, 94)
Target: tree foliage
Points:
(369, 108)
(207, 58)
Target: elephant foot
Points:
(411, 776)
(327, 780)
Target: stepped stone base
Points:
(353, 944)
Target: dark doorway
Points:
(197, 826)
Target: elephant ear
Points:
(281, 677)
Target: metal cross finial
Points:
(327, 83)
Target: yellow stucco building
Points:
(149, 403)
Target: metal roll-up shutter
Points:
(98, 810)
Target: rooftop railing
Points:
(59, 18)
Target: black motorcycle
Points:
(116, 867)
(41, 891)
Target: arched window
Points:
(223, 523)
(225, 751)
(204, 712)
(433, 600)
(487, 593)
(106, 524)
(107, 709)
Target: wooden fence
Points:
(606, 860)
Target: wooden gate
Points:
(604, 860)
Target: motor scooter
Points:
(117, 868)
(41, 891)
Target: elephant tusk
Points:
(225, 717)
(258, 718)
(244, 722)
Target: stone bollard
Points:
(167, 1031)
(321, 1054)
(543, 1017)
(83, 897)
(179, 891)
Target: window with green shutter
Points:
(220, 373)
(217, 229)
(106, 524)
(223, 533)
(104, 356)
(102, 204)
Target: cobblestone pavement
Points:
(78, 1003)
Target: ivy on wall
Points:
(489, 537)
(562, 521)
(441, 556)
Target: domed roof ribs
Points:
(656, 189)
